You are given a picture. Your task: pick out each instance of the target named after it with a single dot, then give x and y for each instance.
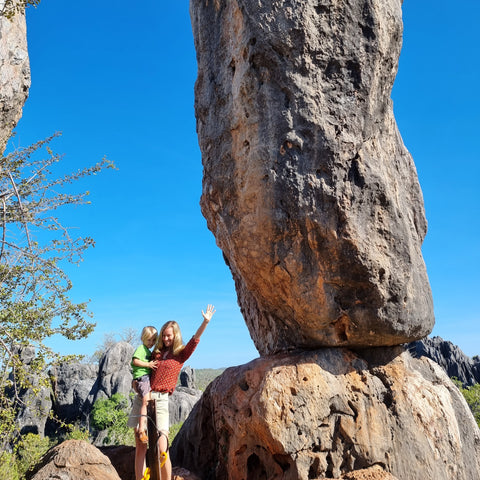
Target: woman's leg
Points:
(140, 454)
(166, 470)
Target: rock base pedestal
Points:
(328, 413)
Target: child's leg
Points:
(143, 413)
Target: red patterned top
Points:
(164, 377)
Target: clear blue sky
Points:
(117, 79)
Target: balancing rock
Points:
(307, 187)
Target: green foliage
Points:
(29, 450)
(8, 466)
(34, 289)
(111, 414)
(472, 396)
(173, 430)
(77, 433)
(12, 7)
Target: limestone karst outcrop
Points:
(315, 203)
(14, 72)
(325, 413)
(308, 188)
(449, 357)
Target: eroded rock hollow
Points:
(308, 188)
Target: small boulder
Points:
(74, 460)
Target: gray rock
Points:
(308, 188)
(187, 377)
(181, 403)
(35, 401)
(34, 411)
(450, 357)
(72, 384)
(115, 372)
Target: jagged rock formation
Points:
(307, 187)
(77, 386)
(449, 357)
(37, 403)
(72, 384)
(328, 413)
(14, 73)
(74, 459)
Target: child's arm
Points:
(207, 316)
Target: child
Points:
(142, 368)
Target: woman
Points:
(170, 355)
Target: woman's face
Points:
(167, 337)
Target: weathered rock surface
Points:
(330, 412)
(14, 73)
(72, 383)
(115, 372)
(181, 403)
(308, 188)
(449, 357)
(123, 460)
(372, 473)
(74, 460)
(36, 402)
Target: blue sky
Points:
(117, 80)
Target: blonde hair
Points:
(148, 333)
(178, 345)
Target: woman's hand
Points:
(207, 316)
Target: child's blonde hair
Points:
(148, 333)
(177, 346)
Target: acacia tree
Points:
(11, 7)
(34, 288)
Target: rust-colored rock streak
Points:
(308, 188)
(329, 413)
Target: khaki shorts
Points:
(161, 405)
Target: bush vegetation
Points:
(111, 415)
(472, 396)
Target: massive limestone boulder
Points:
(329, 413)
(308, 188)
(14, 72)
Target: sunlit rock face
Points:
(330, 413)
(308, 188)
(14, 72)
